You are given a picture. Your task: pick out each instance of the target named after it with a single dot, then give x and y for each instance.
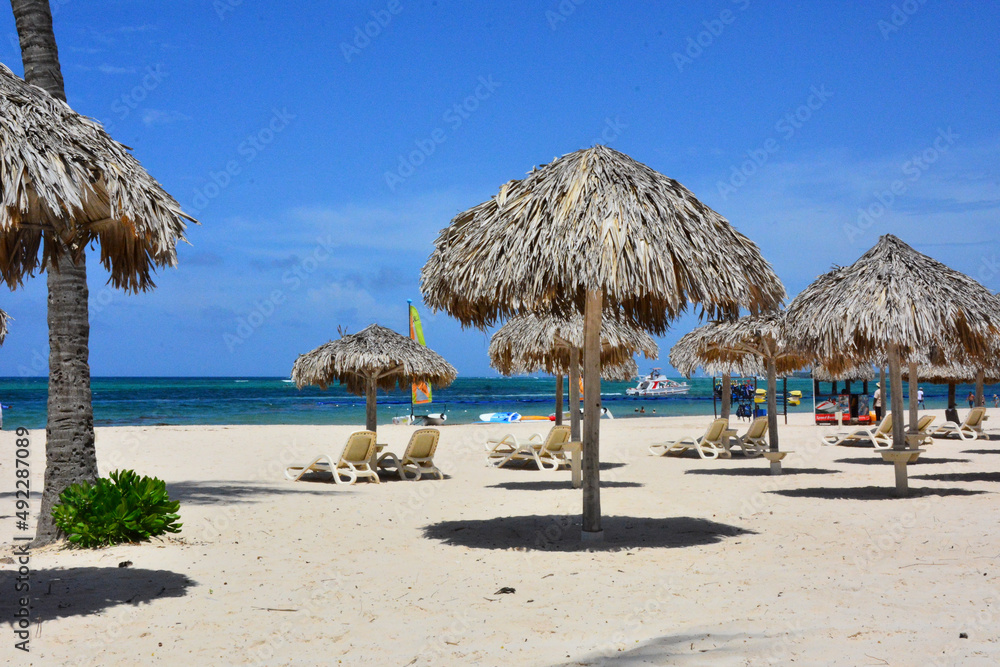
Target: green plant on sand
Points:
(124, 508)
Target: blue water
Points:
(145, 401)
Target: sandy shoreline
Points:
(704, 562)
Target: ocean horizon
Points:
(233, 400)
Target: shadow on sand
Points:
(554, 485)
(562, 533)
(870, 493)
(681, 649)
(760, 472)
(981, 451)
(81, 591)
(875, 459)
(211, 492)
(962, 477)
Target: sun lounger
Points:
(418, 458)
(924, 429)
(752, 443)
(712, 445)
(970, 429)
(354, 462)
(548, 454)
(880, 436)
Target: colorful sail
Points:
(421, 391)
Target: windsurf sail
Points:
(420, 392)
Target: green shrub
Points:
(125, 508)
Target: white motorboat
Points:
(658, 384)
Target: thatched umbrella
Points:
(760, 338)
(685, 358)
(592, 231)
(65, 185)
(956, 373)
(374, 358)
(894, 303)
(4, 324)
(543, 342)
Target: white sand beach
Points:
(704, 562)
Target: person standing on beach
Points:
(877, 401)
(972, 400)
(920, 398)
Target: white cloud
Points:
(151, 117)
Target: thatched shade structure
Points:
(760, 338)
(541, 342)
(4, 323)
(66, 184)
(592, 231)
(957, 373)
(894, 303)
(374, 358)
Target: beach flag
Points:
(421, 391)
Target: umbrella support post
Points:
(900, 458)
(775, 459)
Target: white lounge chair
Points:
(418, 458)
(354, 462)
(880, 436)
(924, 429)
(548, 454)
(712, 445)
(970, 429)
(753, 443)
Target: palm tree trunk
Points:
(70, 456)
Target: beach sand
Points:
(704, 562)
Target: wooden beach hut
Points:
(598, 233)
(374, 358)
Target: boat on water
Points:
(657, 384)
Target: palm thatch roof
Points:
(685, 357)
(533, 342)
(956, 372)
(376, 352)
(65, 183)
(4, 322)
(858, 372)
(595, 219)
(893, 295)
(620, 372)
(738, 345)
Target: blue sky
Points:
(322, 162)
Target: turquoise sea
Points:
(229, 400)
